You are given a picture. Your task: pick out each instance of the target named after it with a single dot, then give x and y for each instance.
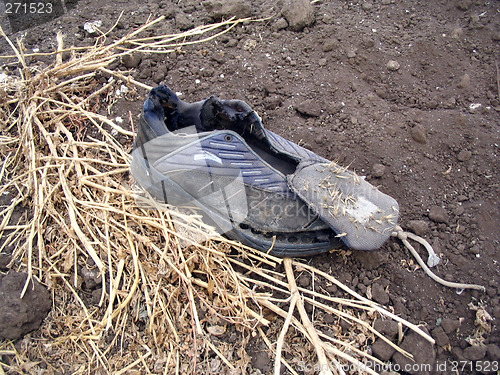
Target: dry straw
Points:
(166, 303)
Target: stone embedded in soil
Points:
(464, 81)
(4, 261)
(309, 108)
(423, 352)
(224, 9)
(438, 214)
(378, 170)
(450, 325)
(393, 65)
(440, 336)
(183, 22)
(280, 24)
(474, 352)
(18, 316)
(493, 352)
(419, 134)
(419, 227)
(387, 327)
(91, 277)
(131, 61)
(379, 294)
(298, 13)
(464, 155)
(382, 350)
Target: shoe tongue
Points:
(361, 215)
(233, 115)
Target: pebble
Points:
(329, 45)
(280, 24)
(131, 61)
(379, 294)
(496, 312)
(464, 155)
(474, 352)
(351, 53)
(450, 325)
(91, 277)
(393, 65)
(493, 352)
(464, 81)
(304, 281)
(418, 134)
(183, 22)
(419, 227)
(440, 336)
(422, 350)
(459, 210)
(457, 33)
(387, 327)
(219, 10)
(438, 214)
(378, 170)
(298, 13)
(382, 350)
(309, 108)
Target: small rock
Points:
(450, 325)
(419, 227)
(329, 45)
(309, 108)
(393, 65)
(183, 22)
(298, 13)
(382, 350)
(475, 249)
(280, 24)
(457, 33)
(387, 327)
(379, 294)
(464, 5)
(450, 103)
(464, 155)
(464, 81)
(438, 214)
(474, 352)
(378, 170)
(440, 336)
(91, 277)
(4, 261)
(131, 61)
(422, 350)
(496, 312)
(18, 316)
(351, 53)
(224, 9)
(329, 318)
(459, 210)
(367, 6)
(493, 352)
(304, 281)
(418, 134)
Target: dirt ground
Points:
(404, 92)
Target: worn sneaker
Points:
(253, 185)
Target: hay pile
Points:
(162, 302)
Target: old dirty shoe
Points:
(254, 185)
